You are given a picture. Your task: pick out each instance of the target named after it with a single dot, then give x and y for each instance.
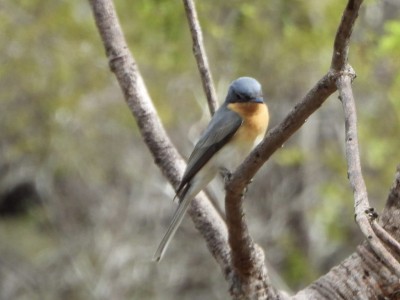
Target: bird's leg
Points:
(227, 175)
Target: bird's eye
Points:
(238, 96)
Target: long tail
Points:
(173, 226)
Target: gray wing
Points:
(220, 130)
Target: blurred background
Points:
(82, 206)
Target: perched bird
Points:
(236, 127)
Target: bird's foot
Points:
(226, 174)
(246, 188)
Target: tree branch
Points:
(200, 55)
(242, 246)
(386, 238)
(361, 204)
(122, 63)
(245, 258)
(343, 35)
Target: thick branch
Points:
(361, 204)
(390, 214)
(122, 63)
(360, 276)
(136, 95)
(200, 55)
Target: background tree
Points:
(91, 192)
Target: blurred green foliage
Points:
(65, 125)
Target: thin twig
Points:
(361, 203)
(343, 35)
(385, 237)
(200, 55)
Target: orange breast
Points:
(255, 120)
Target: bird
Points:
(238, 125)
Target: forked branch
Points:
(363, 212)
(242, 245)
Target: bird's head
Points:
(245, 90)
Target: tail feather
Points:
(185, 193)
(176, 221)
(181, 191)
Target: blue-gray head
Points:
(245, 89)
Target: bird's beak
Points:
(258, 100)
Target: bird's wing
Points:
(220, 130)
